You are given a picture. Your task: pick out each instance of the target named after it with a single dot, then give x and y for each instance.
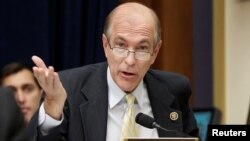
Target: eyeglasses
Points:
(123, 52)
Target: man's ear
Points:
(157, 48)
(156, 51)
(41, 91)
(104, 41)
(105, 44)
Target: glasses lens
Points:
(142, 56)
(121, 52)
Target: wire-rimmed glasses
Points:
(124, 52)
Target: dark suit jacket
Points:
(87, 103)
(12, 127)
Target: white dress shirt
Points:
(116, 111)
(117, 108)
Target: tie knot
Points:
(130, 99)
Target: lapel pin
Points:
(173, 116)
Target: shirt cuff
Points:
(46, 122)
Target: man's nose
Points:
(19, 96)
(130, 59)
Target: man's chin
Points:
(127, 87)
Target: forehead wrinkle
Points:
(130, 30)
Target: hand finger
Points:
(50, 77)
(39, 62)
(40, 76)
(57, 82)
(36, 72)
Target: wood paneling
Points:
(176, 20)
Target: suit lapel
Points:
(161, 100)
(94, 110)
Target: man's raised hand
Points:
(55, 94)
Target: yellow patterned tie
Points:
(129, 128)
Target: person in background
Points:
(22, 81)
(12, 126)
(90, 103)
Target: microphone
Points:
(149, 122)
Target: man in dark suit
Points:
(12, 127)
(22, 81)
(89, 104)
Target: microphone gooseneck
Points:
(149, 122)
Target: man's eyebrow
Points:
(11, 87)
(145, 41)
(28, 85)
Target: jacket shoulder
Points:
(176, 83)
(80, 74)
(166, 76)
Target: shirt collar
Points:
(116, 94)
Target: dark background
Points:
(67, 34)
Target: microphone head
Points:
(145, 120)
